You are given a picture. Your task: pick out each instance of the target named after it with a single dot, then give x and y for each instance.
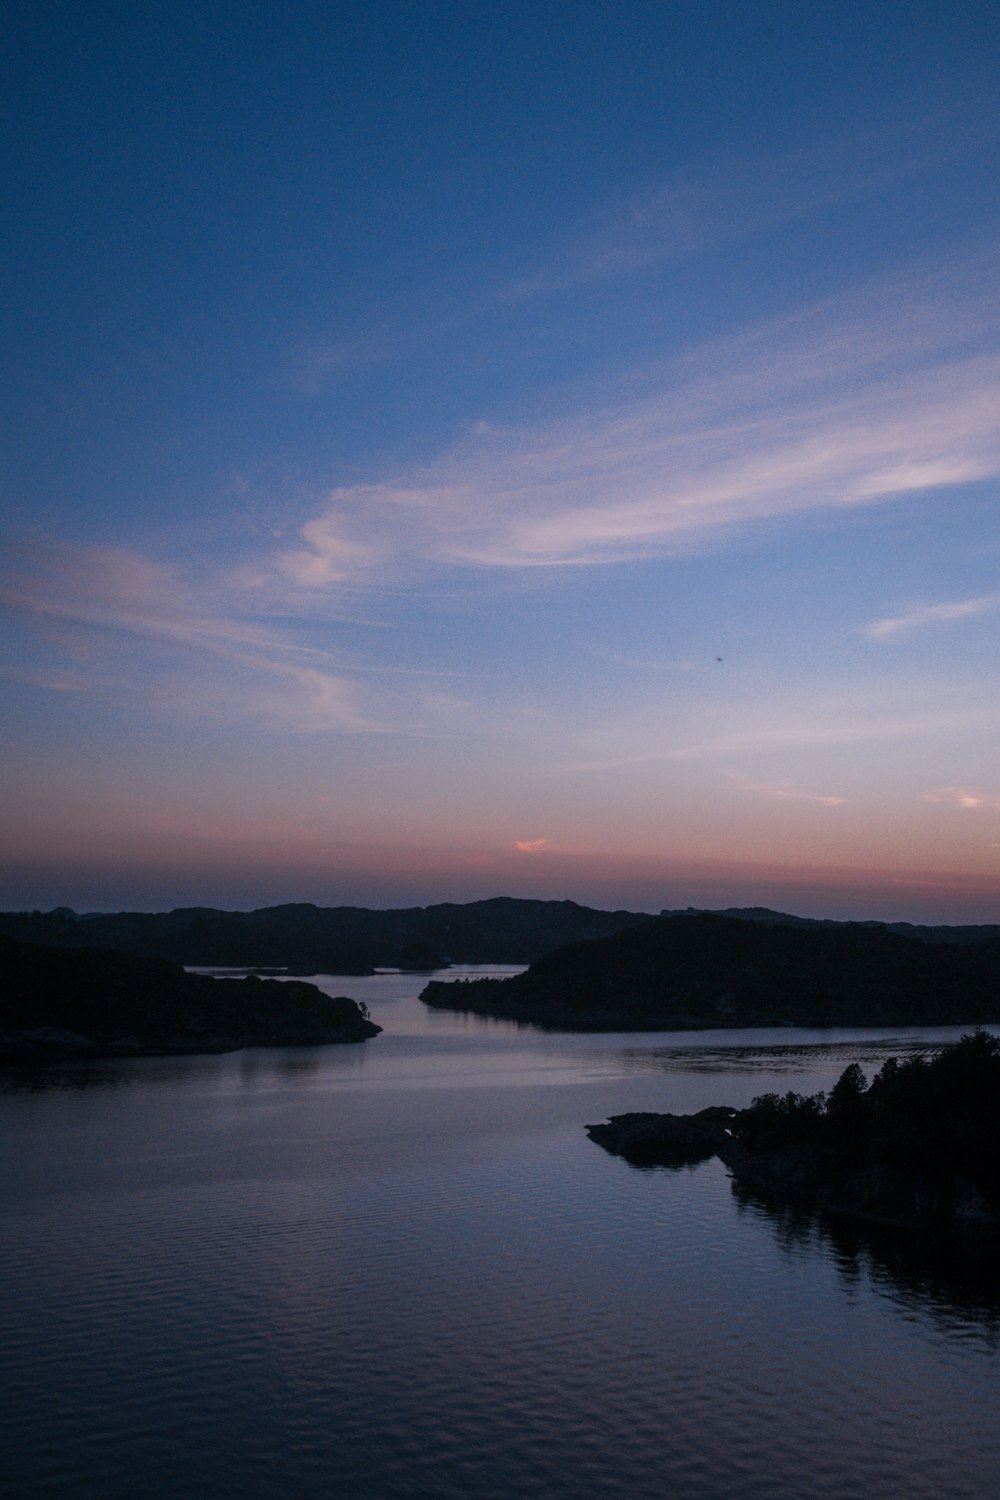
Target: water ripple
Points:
(276, 1283)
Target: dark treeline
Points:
(922, 1140)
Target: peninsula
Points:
(83, 1002)
(705, 971)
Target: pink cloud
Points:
(965, 798)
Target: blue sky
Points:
(468, 449)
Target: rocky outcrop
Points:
(61, 1003)
(654, 1140)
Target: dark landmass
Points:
(81, 1002)
(918, 1148)
(705, 971)
(306, 939)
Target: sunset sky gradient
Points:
(464, 449)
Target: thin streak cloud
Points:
(840, 721)
(783, 791)
(932, 614)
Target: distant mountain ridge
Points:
(935, 933)
(309, 939)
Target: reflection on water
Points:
(400, 1270)
(64, 1076)
(953, 1280)
(249, 1068)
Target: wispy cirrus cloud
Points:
(922, 615)
(874, 397)
(92, 601)
(727, 200)
(855, 716)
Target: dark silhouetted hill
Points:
(57, 1003)
(691, 972)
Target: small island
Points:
(918, 1147)
(70, 1003)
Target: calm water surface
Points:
(400, 1269)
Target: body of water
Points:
(400, 1269)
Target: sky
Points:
(540, 449)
